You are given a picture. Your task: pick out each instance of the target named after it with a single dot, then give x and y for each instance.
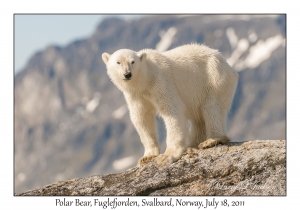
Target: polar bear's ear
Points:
(105, 57)
(142, 56)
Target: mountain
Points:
(71, 121)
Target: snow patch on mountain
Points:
(232, 37)
(242, 47)
(252, 36)
(120, 112)
(121, 164)
(260, 52)
(93, 104)
(167, 38)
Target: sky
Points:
(35, 32)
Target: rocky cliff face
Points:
(250, 168)
(70, 118)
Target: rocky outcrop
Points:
(249, 168)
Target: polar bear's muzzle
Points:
(127, 76)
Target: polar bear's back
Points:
(199, 59)
(191, 51)
(201, 62)
(196, 68)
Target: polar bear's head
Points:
(123, 66)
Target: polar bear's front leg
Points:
(142, 115)
(177, 134)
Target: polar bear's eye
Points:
(118, 62)
(132, 62)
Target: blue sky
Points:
(36, 32)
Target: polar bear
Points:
(191, 87)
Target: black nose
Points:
(127, 75)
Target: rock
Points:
(239, 168)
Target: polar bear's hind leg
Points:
(215, 122)
(197, 133)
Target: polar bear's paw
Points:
(191, 150)
(213, 142)
(163, 160)
(146, 159)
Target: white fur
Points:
(191, 87)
